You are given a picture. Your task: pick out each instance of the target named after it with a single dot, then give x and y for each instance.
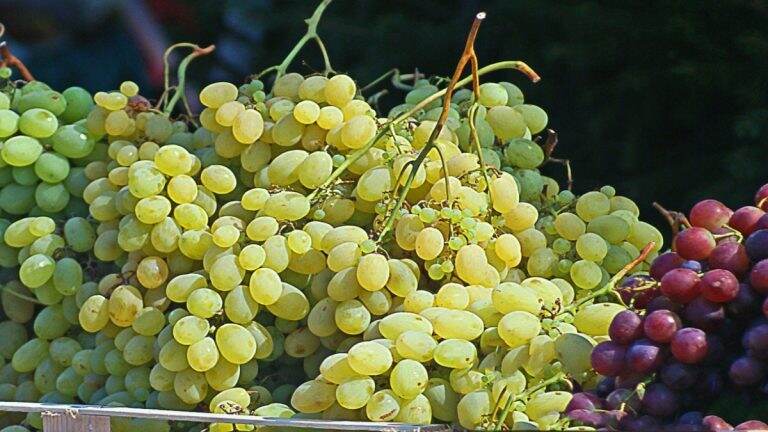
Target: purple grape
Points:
(757, 245)
(662, 302)
(694, 243)
(758, 276)
(745, 303)
(626, 327)
(704, 314)
(760, 197)
(746, 371)
(588, 417)
(643, 356)
(660, 325)
(714, 423)
(664, 263)
(715, 350)
(691, 265)
(710, 385)
(659, 401)
(756, 340)
(678, 376)
(629, 380)
(623, 398)
(605, 386)
(689, 345)
(719, 286)
(680, 285)
(745, 220)
(731, 256)
(608, 358)
(709, 214)
(643, 423)
(584, 400)
(752, 425)
(689, 422)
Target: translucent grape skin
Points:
(719, 286)
(694, 243)
(689, 345)
(731, 256)
(608, 358)
(643, 356)
(680, 285)
(710, 214)
(665, 263)
(626, 327)
(746, 219)
(661, 325)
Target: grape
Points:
(626, 327)
(689, 345)
(746, 219)
(704, 314)
(661, 325)
(681, 285)
(643, 356)
(710, 214)
(694, 243)
(719, 286)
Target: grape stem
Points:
(511, 401)
(674, 219)
(8, 59)
(472, 114)
(467, 55)
(182, 74)
(397, 80)
(311, 34)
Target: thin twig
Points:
(182, 75)
(11, 60)
(309, 35)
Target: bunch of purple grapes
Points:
(701, 329)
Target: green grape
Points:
(408, 379)
(21, 151)
(235, 343)
(384, 405)
(314, 396)
(586, 274)
(38, 123)
(12, 336)
(173, 356)
(36, 270)
(369, 358)
(355, 392)
(473, 408)
(442, 399)
(190, 329)
(203, 355)
(138, 350)
(591, 247)
(524, 153)
(190, 386)
(535, 117)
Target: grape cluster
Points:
(698, 342)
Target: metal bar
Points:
(201, 417)
(69, 422)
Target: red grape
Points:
(752, 425)
(660, 325)
(626, 327)
(719, 286)
(662, 302)
(745, 219)
(694, 243)
(760, 197)
(664, 263)
(689, 345)
(758, 277)
(709, 214)
(643, 356)
(584, 400)
(659, 401)
(608, 358)
(680, 285)
(704, 314)
(746, 371)
(678, 376)
(731, 256)
(713, 423)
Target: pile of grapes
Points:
(293, 251)
(700, 341)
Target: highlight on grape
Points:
(293, 251)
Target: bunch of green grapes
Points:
(45, 148)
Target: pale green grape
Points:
(408, 379)
(384, 405)
(235, 343)
(369, 358)
(314, 396)
(586, 274)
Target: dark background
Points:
(664, 100)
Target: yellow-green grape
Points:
(288, 85)
(280, 108)
(248, 126)
(402, 281)
(129, 88)
(202, 355)
(254, 199)
(509, 296)
(94, 313)
(355, 392)
(471, 263)
(226, 236)
(518, 327)
(474, 408)
(125, 303)
(190, 216)
(149, 322)
(542, 262)
(507, 247)
(595, 319)
(301, 343)
(330, 117)
(313, 88)
(522, 217)
(352, 317)
(455, 353)
(535, 117)
(190, 329)
(152, 210)
(358, 131)
(548, 293)
(338, 235)
(417, 301)
(321, 320)
(372, 271)
(223, 375)
(218, 179)
(343, 256)
(315, 169)
(591, 247)
(235, 343)
(392, 325)
(36, 270)
(374, 183)
(369, 358)
(148, 150)
(335, 368)
(204, 302)
(492, 94)
(591, 205)
(452, 296)
(180, 287)
(251, 257)
(152, 272)
(173, 356)
(612, 228)
(261, 228)
(217, 94)
(277, 253)
(190, 386)
(384, 405)
(506, 122)
(416, 345)
(377, 302)
(429, 243)
(237, 398)
(408, 379)
(339, 90)
(306, 112)
(530, 240)
(239, 306)
(265, 286)
(42, 226)
(458, 324)
(182, 189)
(314, 396)
(287, 205)
(415, 411)
(291, 305)
(542, 404)
(299, 241)
(643, 233)
(442, 398)
(569, 226)
(225, 273)
(586, 274)
(226, 113)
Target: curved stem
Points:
(324, 52)
(309, 35)
(498, 425)
(510, 64)
(11, 60)
(166, 61)
(476, 141)
(182, 75)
